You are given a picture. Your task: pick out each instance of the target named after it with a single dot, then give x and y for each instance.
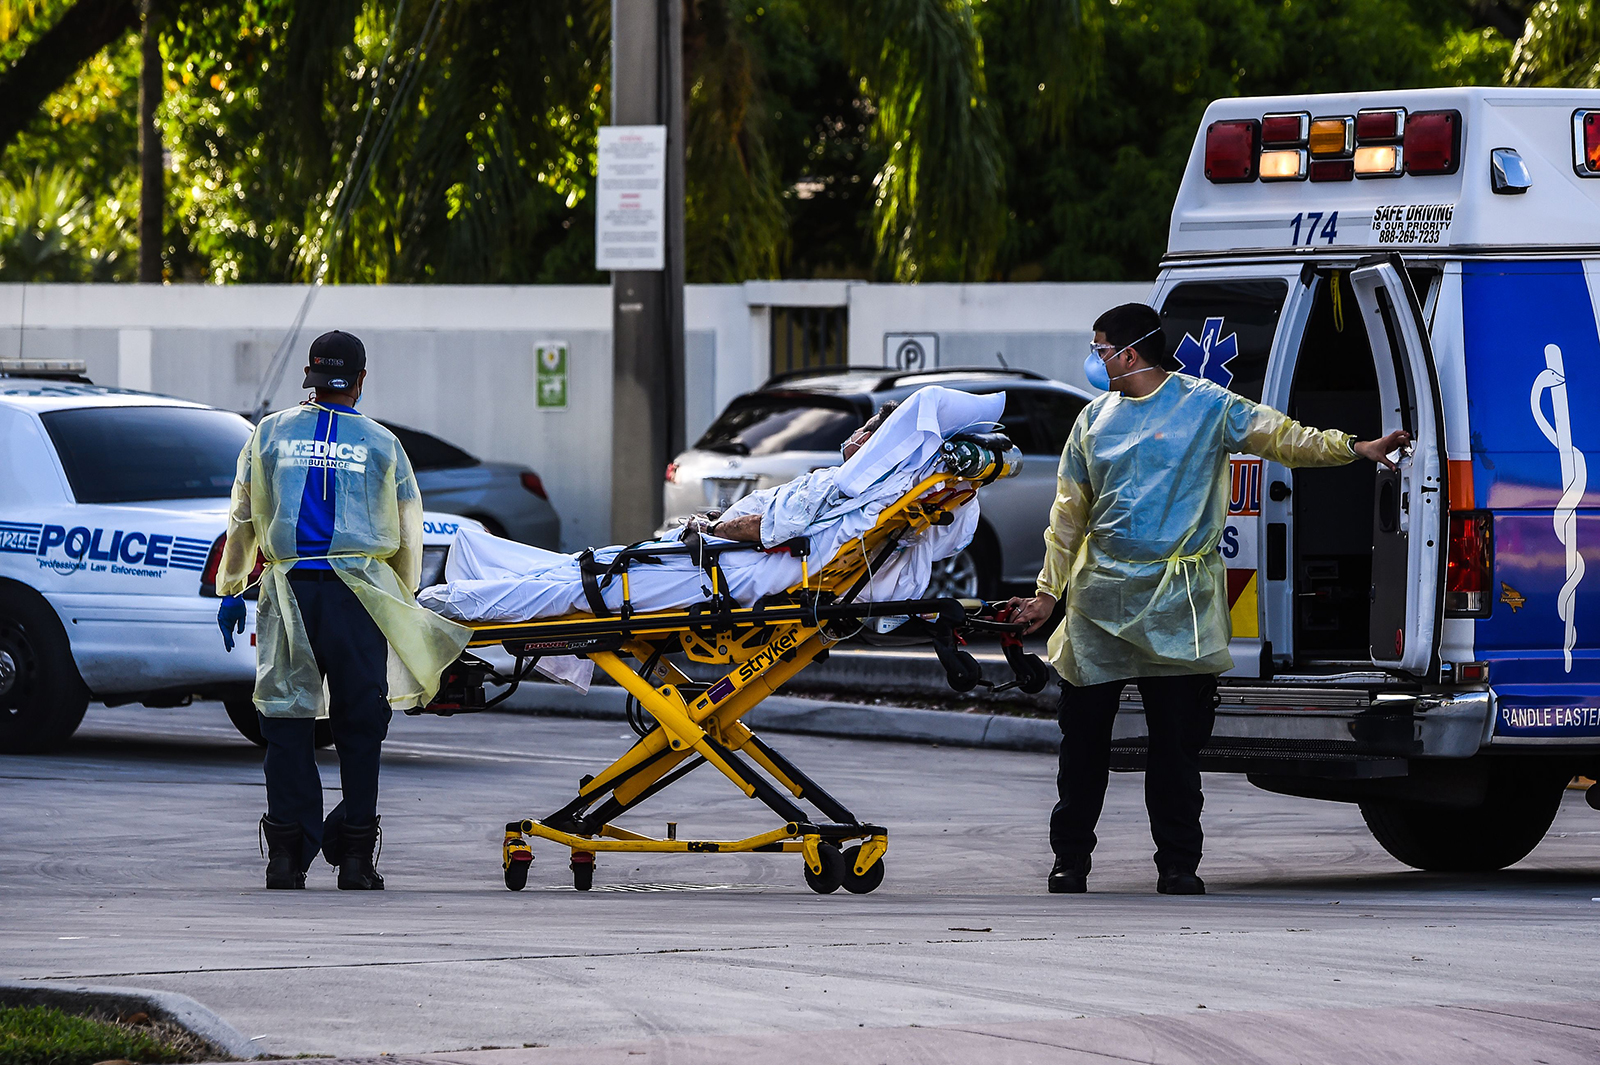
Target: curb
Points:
(819, 717)
(168, 1006)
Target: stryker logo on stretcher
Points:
(133, 554)
(323, 454)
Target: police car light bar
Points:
(44, 367)
(1378, 142)
(1586, 143)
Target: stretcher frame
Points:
(700, 724)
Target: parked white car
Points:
(113, 506)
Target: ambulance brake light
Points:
(1469, 566)
(1586, 143)
(1231, 150)
(1433, 142)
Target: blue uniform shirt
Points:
(314, 531)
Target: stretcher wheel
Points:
(583, 872)
(833, 870)
(1034, 675)
(962, 672)
(867, 881)
(517, 873)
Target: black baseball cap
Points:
(337, 359)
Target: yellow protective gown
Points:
(376, 551)
(1141, 501)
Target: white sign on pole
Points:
(630, 203)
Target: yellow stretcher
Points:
(764, 645)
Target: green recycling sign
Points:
(550, 375)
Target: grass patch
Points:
(41, 1035)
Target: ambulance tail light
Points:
(1380, 125)
(1469, 567)
(1232, 150)
(1433, 142)
(208, 576)
(1285, 131)
(1586, 143)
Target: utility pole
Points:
(647, 420)
(152, 174)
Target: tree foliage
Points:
(453, 140)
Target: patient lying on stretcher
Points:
(489, 579)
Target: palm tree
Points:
(412, 140)
(1560, 46)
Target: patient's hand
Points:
(1031, 612)
(747, 528)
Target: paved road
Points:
(131, 859)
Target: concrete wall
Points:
(458, 361)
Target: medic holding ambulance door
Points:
(328, 499)
(1133, 545)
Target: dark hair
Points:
(1126, 324)
(881, 415)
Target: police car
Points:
(1424, 643)
(113, 506)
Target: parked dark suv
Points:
(796, 422)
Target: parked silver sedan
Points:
(509, 500)
(796, 423)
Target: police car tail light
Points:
(533, 483)
(1232, 149)
(1586, 143)
(1433, 142)
(208, 576)
(1283, 165)
(1469, 566)
(1379, 160)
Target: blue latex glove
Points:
(230, 618)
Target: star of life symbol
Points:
(1208, 357)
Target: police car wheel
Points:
(1517, 812)
(42, 698)
(242, 712)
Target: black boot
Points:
(333, 840)
(1069, 876)
(285, 847)
(356, 871)
(1178, 882)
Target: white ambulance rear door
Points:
(1408, 508)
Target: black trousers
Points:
(353, 655)
(1180, 711)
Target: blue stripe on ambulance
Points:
(1533, 387)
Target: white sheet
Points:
(489, 579)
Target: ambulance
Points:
(1425, 643)
(113, 507)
